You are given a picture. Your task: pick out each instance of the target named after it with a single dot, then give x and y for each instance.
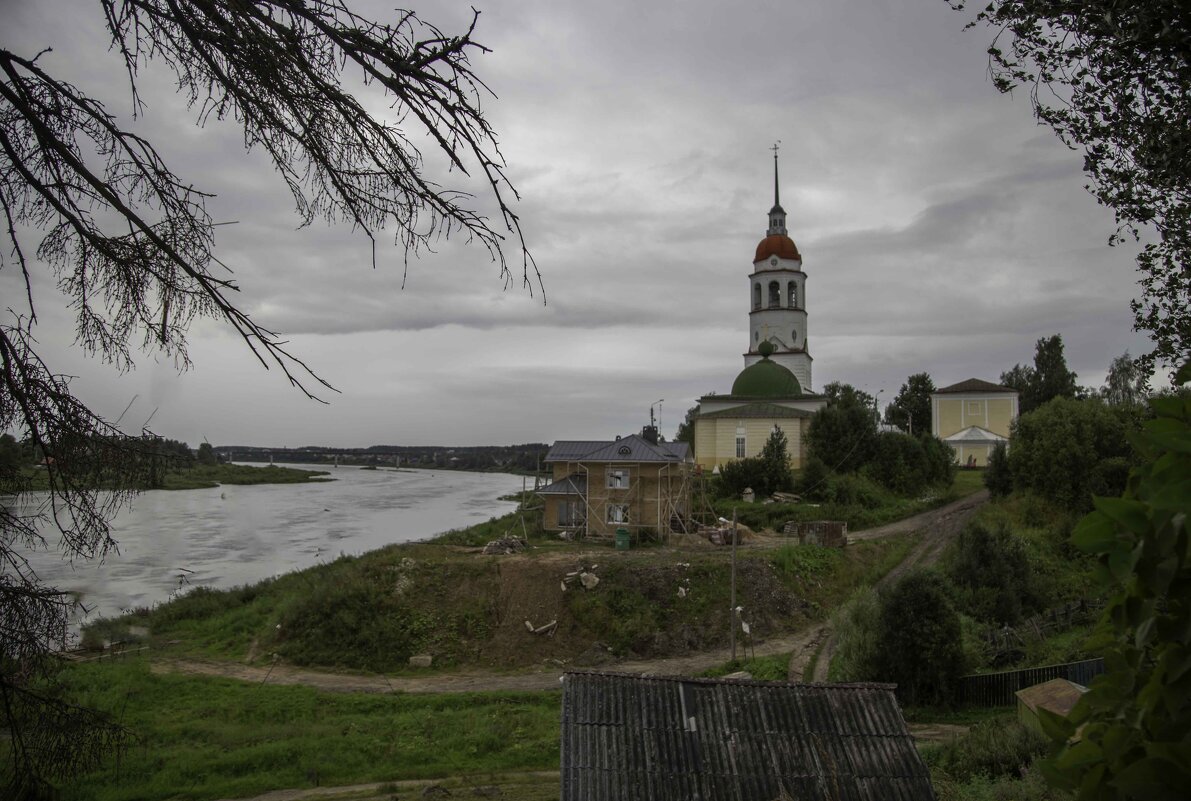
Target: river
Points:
(232, 535)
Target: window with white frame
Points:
(618, 513)
(740, 449)
(974, 407)
(618, 478)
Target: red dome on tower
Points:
(778, 245)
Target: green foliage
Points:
(991, 569)
(206, 738)
(992, 748)
(1049, 378)
(919, 645)
(806, 560)
(997, 477)
(1136, 718)
(843, 433)
(765, 474)
(1056, 450)
(910, 465)
(856, 627)
(762, 668)
(1127, 382)
(686, 429)
(811, 482)
(910, 409)
(206, 454)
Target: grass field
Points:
(205, 738)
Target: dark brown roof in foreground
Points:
(1057, 695)
(677, 739)
(974, 385)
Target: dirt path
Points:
(940, 525)
(809, 644)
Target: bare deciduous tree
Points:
(131, 244)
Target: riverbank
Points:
(202, 476)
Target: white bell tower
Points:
(777, 297)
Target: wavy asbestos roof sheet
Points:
(678, 739)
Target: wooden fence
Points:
(997, 689)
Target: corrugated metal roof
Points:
(677, 739)
(632, 448)
(974, 385)
(574, 484)
(758, 410)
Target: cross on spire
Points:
(776, 144)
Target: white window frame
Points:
(618, 513)
(618, 478)
(741, 446)
(974, 408)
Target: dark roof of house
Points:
(757, 410)
(573, 484)
(974, 385)
(633, 448)
(672, 739)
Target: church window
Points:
(756, 296)
(793, 291)
(618, 513)
(618, 478)
(740, 446)
(775, 295)
(756, 336)
(794, 337)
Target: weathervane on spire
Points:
(775, 191)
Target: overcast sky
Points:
(941, 229)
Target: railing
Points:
(997, 689)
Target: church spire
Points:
(777, 215)
(776, 199)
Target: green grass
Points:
(204, 738)
(206, 476)
(762, 668)
(869, 506)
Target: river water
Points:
(170, 541)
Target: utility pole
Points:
(732, 611)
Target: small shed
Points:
(687, 739)
(1057, 695)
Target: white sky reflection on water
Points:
(235, 535)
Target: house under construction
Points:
(635, 483)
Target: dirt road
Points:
(940, 527)
(806, 645)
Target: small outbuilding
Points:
(1057, 695)
(688, 739)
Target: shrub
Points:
(898, 463)
(855, 626)
(1057, 448)
(997, 476)
(812, 481)
(991, 571)
(843, 435)
(919, 642)
(992, 748)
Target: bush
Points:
(993, 748)
(991, 571)
(855, 626)
(919, 644)
(812, 481)
(843, 436)
(1057, 449)
(997, 477)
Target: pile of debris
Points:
(585, 576)
(505, 545)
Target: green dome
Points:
(766, 379)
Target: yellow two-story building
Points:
(972, 417)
